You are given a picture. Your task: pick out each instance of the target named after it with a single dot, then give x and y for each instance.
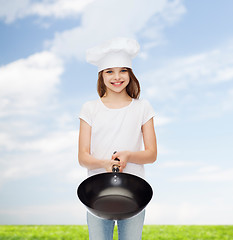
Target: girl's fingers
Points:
(114, 156)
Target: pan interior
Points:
(115, 204)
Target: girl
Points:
(117, 121)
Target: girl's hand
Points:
(123, 157)
(108, 165)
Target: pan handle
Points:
(115, 167)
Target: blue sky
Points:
(185, 69)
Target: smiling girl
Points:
(117, 121)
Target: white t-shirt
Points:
(116, 130)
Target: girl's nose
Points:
(117, 75)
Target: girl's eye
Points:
(124, 70)
(109, 71)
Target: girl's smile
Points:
(117, 84)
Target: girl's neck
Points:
(116, 100)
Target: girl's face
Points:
(116, 79)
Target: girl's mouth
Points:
(117, 84)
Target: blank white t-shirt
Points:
(116, 130)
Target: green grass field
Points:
(150, 232)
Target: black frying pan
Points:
(115, 195)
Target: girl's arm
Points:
(149, 155)
(84, 156)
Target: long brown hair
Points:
(133, 88)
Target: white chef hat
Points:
(117, 52)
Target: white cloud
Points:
(53, 142)
(181, 74)
(118, 18)
(168, 13)
(162, 120)
(59, 8)
(29, 145)
(179, 164)
(209, 169)
(14, 9)
(28, 84)
(193, 83)
(197, 171)
(189, 213)
(135, 18)
(208, 174)
(162, 150)
(53, 152)
(76, 175)
(10, 10)
(72, 212)
(227, 103)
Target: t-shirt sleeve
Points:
(148, 112)
(85, 113)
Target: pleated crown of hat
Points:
(117, 52)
